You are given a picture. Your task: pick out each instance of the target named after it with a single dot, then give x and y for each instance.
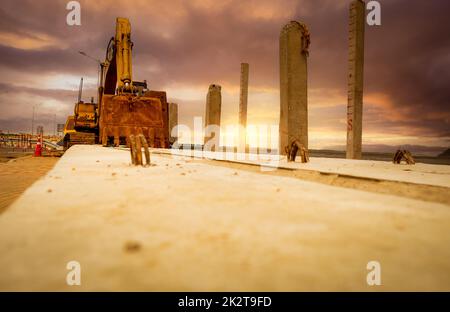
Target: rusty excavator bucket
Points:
(124, 108)
(125, 115)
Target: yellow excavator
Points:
(125, 106)
(81, 128)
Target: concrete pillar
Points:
(243, 98)
(173, 121)
(212, 116)
(294, 44)
(355, 79)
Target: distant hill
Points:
(445, 154)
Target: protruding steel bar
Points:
(138, 151)
(292, 149)
(146, 150)
(133, 149)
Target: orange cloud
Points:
(30, 41)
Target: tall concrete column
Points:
(294, 44)
(243, 98)
(355, 79)
(173, 121)
(212, 116)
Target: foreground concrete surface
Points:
(187, 225)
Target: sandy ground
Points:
(18, 174)
(187, 225)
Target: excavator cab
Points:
(126, 107)
(85, 115)
(69, 126)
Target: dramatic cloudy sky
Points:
(183, 46)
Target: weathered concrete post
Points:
(243, 99)
(355, 79)
(212, 117)
(173, 121)
(294, 44)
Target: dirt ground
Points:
(18, 174)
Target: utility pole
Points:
(100, 71)
(32, 122)
(33, 118)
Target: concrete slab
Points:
(425, 174)
(187, 225)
